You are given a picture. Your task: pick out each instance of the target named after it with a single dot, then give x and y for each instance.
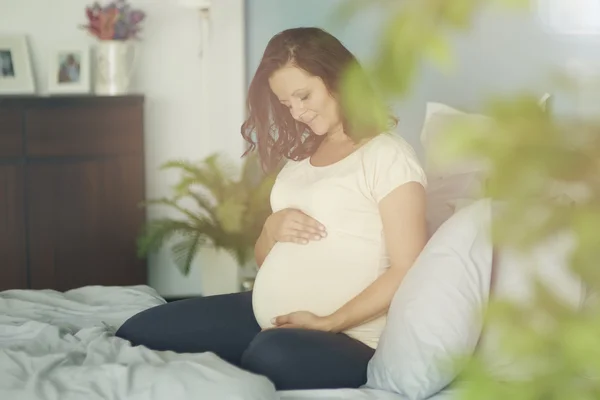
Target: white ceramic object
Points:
(114, 64)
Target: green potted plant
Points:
(215, 206)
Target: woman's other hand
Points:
(292, 225)
(304, 320)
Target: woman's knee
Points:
(271, 353)
(268, 348)
(136, 328)
(221, 324)
(289, 358)
(305, 359)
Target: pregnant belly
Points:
(319, 277)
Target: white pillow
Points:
(450, 185)
(438, 118)
(448, 194)
(436, 313)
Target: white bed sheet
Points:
(355, 394)
(62, 346)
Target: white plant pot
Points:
(114, 64)
(220, 273)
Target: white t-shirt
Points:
(323, 275)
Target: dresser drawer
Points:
(11, 132)
(84, 131)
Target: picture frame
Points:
(69, 71)
(16, 72)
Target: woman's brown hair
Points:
(270, 128)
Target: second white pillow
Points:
(436, 313)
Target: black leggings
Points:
(225, 324)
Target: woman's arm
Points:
(403, 217)
(405, 230)
(263, 246)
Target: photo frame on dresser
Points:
(16, 72)
(69, 71)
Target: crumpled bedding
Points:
(61, 346)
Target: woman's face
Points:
(307, 98)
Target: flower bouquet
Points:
(115, 21)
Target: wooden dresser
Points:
(71, 179)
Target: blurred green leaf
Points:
(582, 345)
(366, 110)
(439, 51)
(230, 214)
(533, 162)
(514, 4)
(459, 13)
(347, 10)
(395, 65)
(586, 224)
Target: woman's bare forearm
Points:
(371, 303)
(263, 246)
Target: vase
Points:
(114, 64)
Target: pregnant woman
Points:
(348, 222)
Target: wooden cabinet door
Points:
(13, 251)
(11, 135)
(83, 222)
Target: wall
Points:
(504, 52)
(180, 121)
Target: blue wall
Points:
(265, 18)
(503, 53)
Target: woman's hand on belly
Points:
(287, 225)
(292, 225)
(304, 320)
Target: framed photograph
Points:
(69, 71)
(16, 73)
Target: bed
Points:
(356, 394)
(56, 345)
